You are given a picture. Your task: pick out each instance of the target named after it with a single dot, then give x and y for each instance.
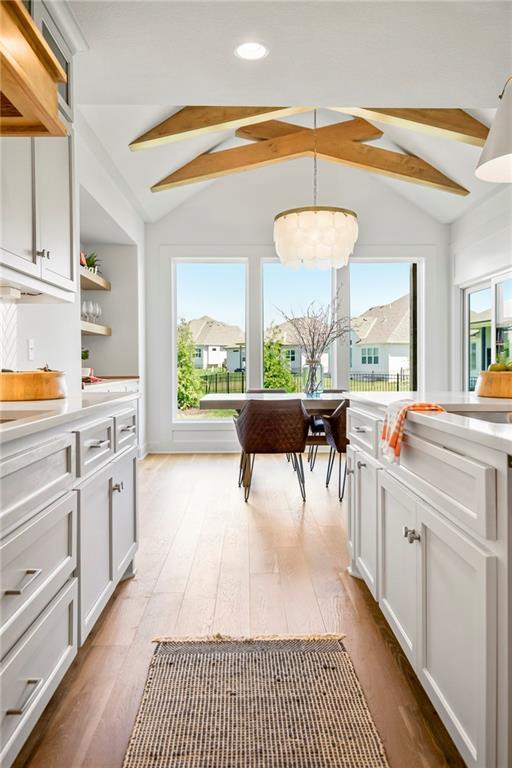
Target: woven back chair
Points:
(335, 429)
(278, 426)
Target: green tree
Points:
(276, 371)
(189, 383)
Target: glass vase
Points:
(313, 378)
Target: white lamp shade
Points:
(315, 237)
(495, 162)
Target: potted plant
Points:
(92, 262)
(86, 372)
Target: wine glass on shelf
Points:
(90, 311)
(99, 311)
(84, 310)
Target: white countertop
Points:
(494, 435)
(37, 415)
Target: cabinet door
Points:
(457, 644)
(54, 210)
(351, 503)
(366, 520)
(398, 558)
(95, 561)
(17, 206)
(124, 511)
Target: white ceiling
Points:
(144, 56)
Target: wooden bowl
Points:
(494, 384)
(33, 385)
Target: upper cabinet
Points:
(36, 240)
(31, 75)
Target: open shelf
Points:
(94, 329)
(91, 282)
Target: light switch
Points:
(30, 349)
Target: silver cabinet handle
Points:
(33, 681)
(99, 444)
(118, 487)
(410, 534)
(131, 428)
(350, 471)
(360, 464)
(43, 253)
(30, 575)
(361, 429)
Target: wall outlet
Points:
(30, 349)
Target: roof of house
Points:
(283, 332)
(385, 324)
(209, 332)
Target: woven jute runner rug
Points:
(253, 703)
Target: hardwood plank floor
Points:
(210, 563)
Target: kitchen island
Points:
(430, 534)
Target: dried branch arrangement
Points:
(318, 327)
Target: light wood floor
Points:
(210, 563)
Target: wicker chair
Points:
(335, 427)
(280, 426)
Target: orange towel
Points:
(394, 423)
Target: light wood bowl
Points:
(32, 385)
(494, 384)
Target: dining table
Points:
(327, 401)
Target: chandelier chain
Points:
(315, 168)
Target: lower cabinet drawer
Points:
(34, 668)
(36, 561)
(95, 446)
(125, 427)
(363, 431)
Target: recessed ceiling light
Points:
(251, 51)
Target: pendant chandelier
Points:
(495, 162)
(316, 236)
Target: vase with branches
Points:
(317, 328)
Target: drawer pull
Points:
(100, 444)
(350, 471)
(35, 681)
(32, 574)
(130, 428)
(360, 464)
(118, 487)
(410, 534)
(361, 429)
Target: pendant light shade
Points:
(315, 237)
(495, 162)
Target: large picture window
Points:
(210, 334)
(383, 325)
(289, 292)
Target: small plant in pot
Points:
(86, 372)
(92, 262)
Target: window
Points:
(504, 320)
(369, 356)
(290, 292)
(479, 341)
(209, 332)
(383, 325)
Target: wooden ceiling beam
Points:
(210, 165)
(454, 124)
(352, 130)
(335, 143)
(196, 121)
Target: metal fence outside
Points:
(227, 382)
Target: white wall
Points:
(234, 217)
(116, 355)
(480, 247)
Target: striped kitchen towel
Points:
(394, 423)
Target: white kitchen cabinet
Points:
(107, 526)
(17, 213)
(398, 562)
(351, 501)
(457, 634)
(365, 532)
(54, 210)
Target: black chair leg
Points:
(342, 493)
(241, 469)
(313, 457)
(330, 464)
(300, 475)
(294, 461)
(248, 470)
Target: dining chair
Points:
(335, 428)
(277, 426)
(317, 431)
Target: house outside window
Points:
(290, 355)
(198, 352)
(370, 355)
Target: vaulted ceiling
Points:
(150, 54)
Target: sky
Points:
(218, 289)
